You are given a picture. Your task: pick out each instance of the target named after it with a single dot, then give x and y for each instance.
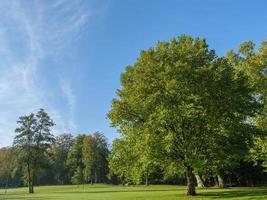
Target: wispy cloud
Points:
(31, 31)
(68, 92)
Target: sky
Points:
(67, 56)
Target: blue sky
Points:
(67, 56)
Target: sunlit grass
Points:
(109, 192)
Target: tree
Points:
(102, 153)
(121, 160)
(89, 157)
(139, 160)
(43, 141)
(176, 91)
(232, 147)
(6, 165)
(60, 151)
(258, 153)
(95, 153)
(75, 160)
(33, 140)
(253, 62)
(24, 141)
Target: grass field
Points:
(108, 192)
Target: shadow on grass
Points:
(116, 191)
(246, 192)
(7, 197)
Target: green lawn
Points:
(108, 192)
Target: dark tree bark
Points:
(191, 190)
(30, 179)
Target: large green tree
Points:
(182, 93)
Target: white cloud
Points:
(31, 31)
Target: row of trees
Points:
(38, 157)
(184, 114)
(182, 108)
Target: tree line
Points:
(37, 157)
(185, 114)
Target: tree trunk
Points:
(6, 183)
(216, 183)
(29, 177)
(147, 183)
(32, 190)
(200, 182)
(191, 191)
(221, 181)
(122, 180)
(96, 178)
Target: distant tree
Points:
(95, 153)
(75, 160)
(33, 140)
(6, 165)
(131, 158)
(102, 153)
(89, 158)
(60, 150)
(121, 160)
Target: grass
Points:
(109, 192)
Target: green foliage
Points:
(7, 163)
(78, 176)
(33, 140)
(253, 62)
(259, 151)
(87, 159)
(181, 110)
(95, 153)
(60, 150)
(74, 160)
(183, 94)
